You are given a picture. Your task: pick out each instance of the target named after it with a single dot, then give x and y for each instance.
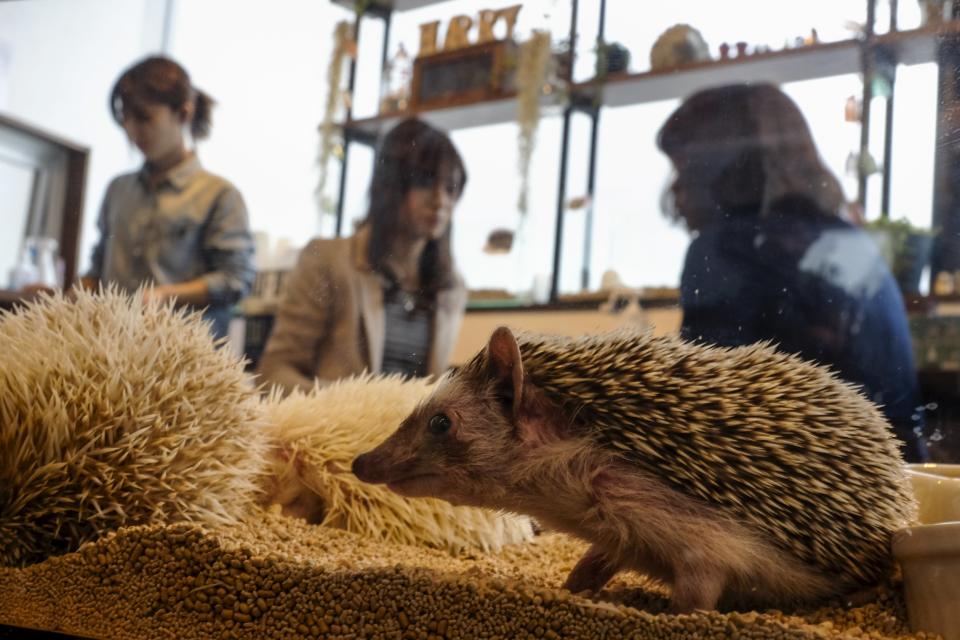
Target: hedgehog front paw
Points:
(592, 572)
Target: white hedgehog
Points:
(118, 412)
(741, 476)
(315, 437)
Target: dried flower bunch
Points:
(314, 439)
(117, 411)
(532, 64)
(330, 134)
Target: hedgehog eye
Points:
(439, 424)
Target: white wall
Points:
(265, 62)
(62, 58)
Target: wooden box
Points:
(469, 74)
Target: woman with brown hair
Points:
(771, 257)
(388, 299)
(172, 226)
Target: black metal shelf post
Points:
(593, 110)
(564, 159)
(353, 136)
(867, 61)
(887, 64)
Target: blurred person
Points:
(771, 257)
(173, 227)
(387, 299)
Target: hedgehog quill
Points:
(740, 477)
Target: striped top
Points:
(406, 344)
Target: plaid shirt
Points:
(192, 225)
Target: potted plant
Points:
(906, 248)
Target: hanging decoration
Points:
(531, 78)
(331, 134)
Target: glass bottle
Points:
(25, 271)
(395, 87)
(47, 273)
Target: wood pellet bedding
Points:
(278, 577)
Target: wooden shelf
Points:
(917, 46)
(462, 116)
(804, 63)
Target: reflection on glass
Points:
(16, 191)
(772, 257)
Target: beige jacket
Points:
(331, 323)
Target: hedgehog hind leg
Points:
(697, 588)
(592, 572)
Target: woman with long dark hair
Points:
(387, 299)
(771, 256)
(172, 226)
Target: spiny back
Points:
(766, 437)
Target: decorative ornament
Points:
(931, 12)
(531, 76)
(851, 110)
(678, 46)
(867, 165)
(428, 38)
(331, 135)
(458, 30)
(612, 57)
(395, 85)
(499, 241)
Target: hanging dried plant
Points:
(331, 135)
(531, 77)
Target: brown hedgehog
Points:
(741, 477)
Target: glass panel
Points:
(16, 192)
(359, 171)
(490, 204)
(914, 144)
(631, 235)
(366, 91)
(577, 210)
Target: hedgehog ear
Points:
(505, 365)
